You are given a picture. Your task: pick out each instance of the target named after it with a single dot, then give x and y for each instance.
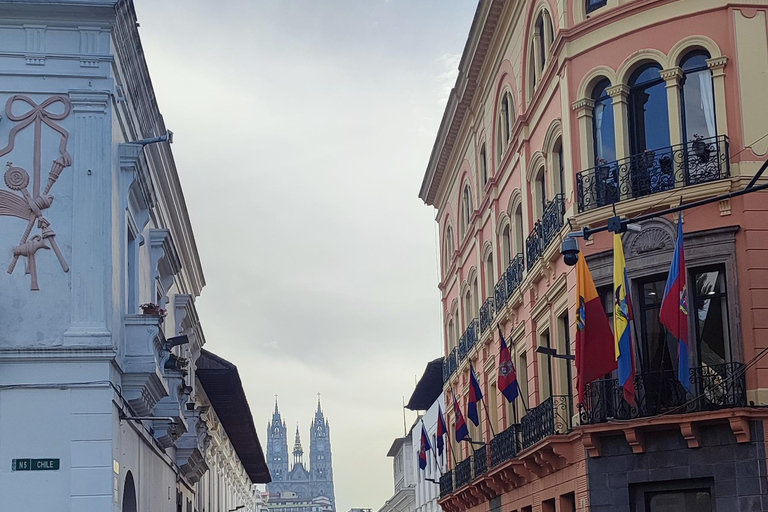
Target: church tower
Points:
(277, 448)
(298, 451)
(320, 458)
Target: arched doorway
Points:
(129, 494)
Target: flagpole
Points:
(488, 416)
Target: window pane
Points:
(658, 347)
(712, 317)
(699, 105)
(648, 111)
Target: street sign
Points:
(35, 464)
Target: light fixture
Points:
(236, 508)
(551, 352)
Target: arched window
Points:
(490, 280)
(541, 40)
(468, 309)
(540, 192)
(466, 210)
(519, 241)
(603, 134)
(483, 165)
(648, 111)
(698, 98)
(506, 116)
(449, 335)
(506, 246)
(543, 36)
(448, 248)
(475, 303)
(593, 5)
(559, 164)
(129, 494)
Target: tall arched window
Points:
(540, 192)
(504, 129)
(698, 98)
(466, 210)
(519, 241)
(489, 275)
(448, 248)
(559, 164)
(449, 335)
(483, 165)
(475, 303)
(648, 111)
(543, 36)
(603, 134)
(129, 494)
(506, 246)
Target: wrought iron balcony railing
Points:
(446, 483)
(487, 314)
(551, 417)
(480, 461)
(514, 274)
(545, 230)
(698, 161)
(449, 365)
(468, 340)
(721, 386)
(463, 472)
(500, 291)
(505, 445)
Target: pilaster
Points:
(672, 77)
(620, 94)
(717, 66)
(91, 276)
(585, 109)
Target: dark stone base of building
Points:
(719, 476)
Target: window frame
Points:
(686, 73)
(591, 6)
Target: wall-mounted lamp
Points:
(551, 352)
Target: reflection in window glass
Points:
(602, 124)
(698, 98)
(658, 348)
(711, 318)
(649, 117)
(595, 4)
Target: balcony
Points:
(487, 314)
(463, 472)
(449, 365)
(693, 163)
(514, 274)
(446, 483)
(715, 387)
(545, 230)
(551, 417)
(505, 445)
(480, 461)
(468, 340)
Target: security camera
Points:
(570, 251)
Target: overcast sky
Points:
(303, 129)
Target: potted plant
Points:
(153, 309)
(700, 148)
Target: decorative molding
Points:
(30, 206)
(725, 207)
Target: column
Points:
(717, 66)
(619, 95)
(91, 265)
(673, 77)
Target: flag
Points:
(475, 395)
(595, 352)
(461, 426)
(674, 308)
(425, 447)
(622, 315)
(507, 376)
(441, 430)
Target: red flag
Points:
(507, 376)
(595, 347)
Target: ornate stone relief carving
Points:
(20, 202)
(649, 240)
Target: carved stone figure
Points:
(30, 206)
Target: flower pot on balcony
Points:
(151, 309)
(701, 150)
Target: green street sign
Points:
(35, 464)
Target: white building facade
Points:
(101, 404)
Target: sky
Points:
(302, 132)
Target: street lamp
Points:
(236, 508)
(551, 352)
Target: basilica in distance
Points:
(304, 482)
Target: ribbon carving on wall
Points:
(18, 201)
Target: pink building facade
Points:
(563, 112)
